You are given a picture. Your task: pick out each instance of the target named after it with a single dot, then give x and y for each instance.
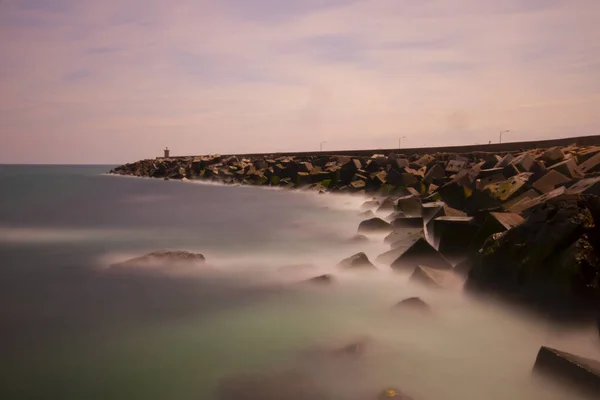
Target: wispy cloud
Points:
(117, 80)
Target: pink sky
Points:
(115, 81)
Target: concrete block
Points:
(420, 253)
(567, 167)
(591, 165)
(410, 206)
(452, 236)
(454, 166)
(553, 155)
(524, 162)
(550, 181)
(582, 374)
(585, 186)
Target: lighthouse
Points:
(167, 151)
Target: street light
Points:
(508, 130)
(400, 141)
(321, 146)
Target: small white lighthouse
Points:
(167, 151)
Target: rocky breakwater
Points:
(522, 226)
(514, 223)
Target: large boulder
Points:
(413, 304)
(549, 261)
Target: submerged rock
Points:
(413, 304)
(321, 280)
(162, 258)
(359, 239)
(359, 260)
(393, 394)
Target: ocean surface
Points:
(71, 328)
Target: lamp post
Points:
(508, 130)
(321, 145)
(400, 141)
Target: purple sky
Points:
(112, 81)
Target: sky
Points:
(114, 81)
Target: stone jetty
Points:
(522, 224)
(519, 223)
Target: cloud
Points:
(116, 81)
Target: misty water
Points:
(71, 329)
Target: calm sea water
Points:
(69, 329)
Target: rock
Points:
(553, 155)
(410, 206)
(359, 260)
(367, 214)
(358, 184)
(526, 204)
(434, 278)
(579, 373)
(427, 277)
(359, 239)
(431, 210)
(549, 181)
(549, 261)
(585, 186)
(591, 165)
(462, 268)
(369, 205)
(453, 236)
(387, 205)
(374, 225)
(404, 234)
(391, 255)
(413, 304)
(453, 166)
(321, 280)
(420, 253)
(503, 191)
(162, 258)
(505, 161)
(585, 154)
(529, 194)
(407, 223)
(495, 222)
(568, 168)
(524, 162)
(348, 169)
(435, 174)
(425, 160)
(356, 348)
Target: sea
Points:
(72, 327)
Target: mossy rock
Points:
(274, 180)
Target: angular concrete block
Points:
(582, 374)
